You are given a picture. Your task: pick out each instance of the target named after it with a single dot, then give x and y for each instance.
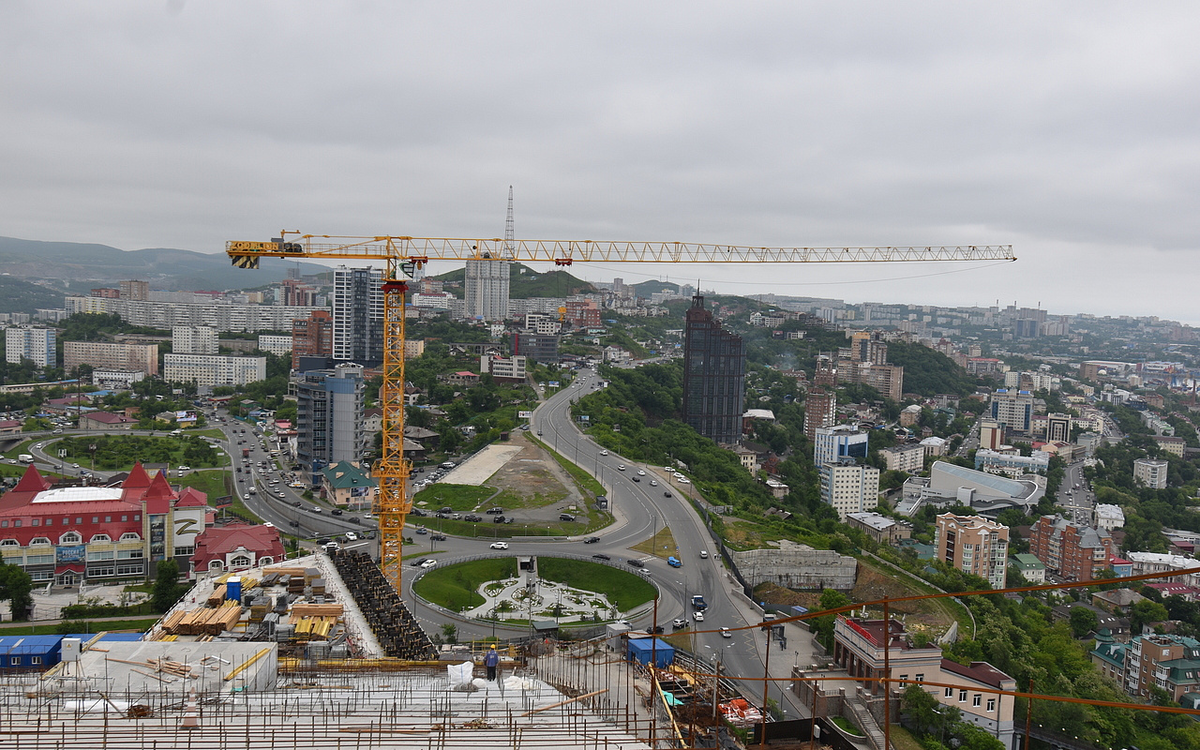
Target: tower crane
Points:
(402, 256)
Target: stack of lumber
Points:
(163, 670)
(314, 621)
(204, 620)
(217, 596)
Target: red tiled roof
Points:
(979, 671)
(137, 479)
(191, 497)
(32, 481)
(106, 418)
(217, 541)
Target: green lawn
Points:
(22, 448)
(456, 586)
(99, 626)
(625, 590)
(211, 483)
(460, 497)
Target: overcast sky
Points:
(1069, 130)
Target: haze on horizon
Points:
(1070, 132)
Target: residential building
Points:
(1013, 409)
(837, 443)
(1058, 428)
(1168, 662)
(103, 420)
(1151, 472)
(848, 487)
(274, 344)
(223, 316)
(329, 416)
(1075, 552)
(358, 315)
(882, 529)
(504, 368)
(991, 434)
(116, 379)
(1109, 517)
(539, 347)
(819, 410)
(193, 340)
(1173, 445)
(714, 376)
(134, 290)
(885, 378)
(859, 647)
(1030, 568)
(209, 371)
(104, 356)
(73, 534)
(312, 336)
(348, 484)
(973, 545)
(486, 289)
(825, 373)
(909, 458)
(34, 344)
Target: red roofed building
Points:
(71, 534)
(102, 420)
(236, 547)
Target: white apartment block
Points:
(193, 340)
(116, 378)
(512, 368)
(486, 289)
(280, 346)
(221, 316)
(906, 458)
(1151, 472)
(105, 356)
(35, 344)
(1109, 517)
(849, 488)
(211, 371)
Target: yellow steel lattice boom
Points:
(402, 255)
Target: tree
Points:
(166, 586)
(1083, 621)
(15, 586)
(823, 626)
(449, 632)
(1144, 612)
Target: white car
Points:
(351, 536)
(684, 480)
(641, 473)
(698, 616)
(499, 545)
(620, 467)
(725, 633)
(653, 483)
(703, 554)
(429, 563)
(603, 453)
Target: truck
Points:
(699, 603)
(25, 458)
(245, 453)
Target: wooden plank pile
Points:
(204, 620)
(163, 670)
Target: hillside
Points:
(524, 282)
(17, 295)
(164, 268)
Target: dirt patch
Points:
(533, 481)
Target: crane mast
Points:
(402, 255)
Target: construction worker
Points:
(491, 661)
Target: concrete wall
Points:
(797, 566)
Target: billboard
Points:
(72, 554)
(223, 502)
(359, 491)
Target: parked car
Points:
(472, 518)
(494, 511)
(566, 517)
(437, 537)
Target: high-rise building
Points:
(714, 376)
(35, 344)
(486, 289)
(825, 374)
(991, 434)
(1058, 428)
(329, 416)
(193, 340)
(1013, 409)
(312, 336)
(358, 316)
(1076, 552)
(974, 545)
(539, 347)
(848, 487)
(1151, 472)
(102, 355)
(833, 444)
(209, 370)
(820, 410)
(137, 291)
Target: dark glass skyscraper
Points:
(714, 376)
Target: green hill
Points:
(17, 295)
(524, 282)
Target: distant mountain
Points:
(524, 282)
(165, 268)
(647, 288)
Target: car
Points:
(350, 535)
(591, 540)
(698, 616)
(472, 518)
(336, 511)
(429, 563)
(418, 562)
(446, 509)
(499, 545)
(415, 512)
(566, 517)
(679, 622)
(74, 466)
(703, 554)
(636, 479)
(653, 483)
(601, 557)
(644, 571)
(641, 473)
(603, 453)
(674, 562)
(440, 514)
(667, 493)
(494, 511)
(725, 633)
(297, 503)
(539, 433)
(316, 509)
(684, 481)
(422, 530)
(620, 467)
(185, 468)
(353, 519)
(634, 563)
(281, 493)
(293, 523)
(368, 515)
(498, 519)
(239, 470)
(437, 537)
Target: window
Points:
(215, 565)
(78, 520)
(108, 519)
(129, 554)
(184, 551)
(976, 700)
(35, 660)
(100, 538)
(38, 540)
(102, 555)
(124, 518)
(962, 696)
(920, 677)
(95, 519)
(9, 543)
(17, 524)
(4, 524)
(949, 692)
(991, 705)
(241, 561)
(137, 516)
(70, 537)
(130, 536)
(37, 522)
(15, 661)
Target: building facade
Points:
(714, 376)
(973, 545)
(312, 336)
(105, 356)
(329, 416)
(1075, 552)
(833, 444)
(908, 458)
(1013, 409)
(486, 285)
(539, 347)
(275, 344)
(221, 316)
(820, 410)
(193, 340)
(1151, 472)
(209, 371)
(34, 344)
(848, 487)
(358, 315)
